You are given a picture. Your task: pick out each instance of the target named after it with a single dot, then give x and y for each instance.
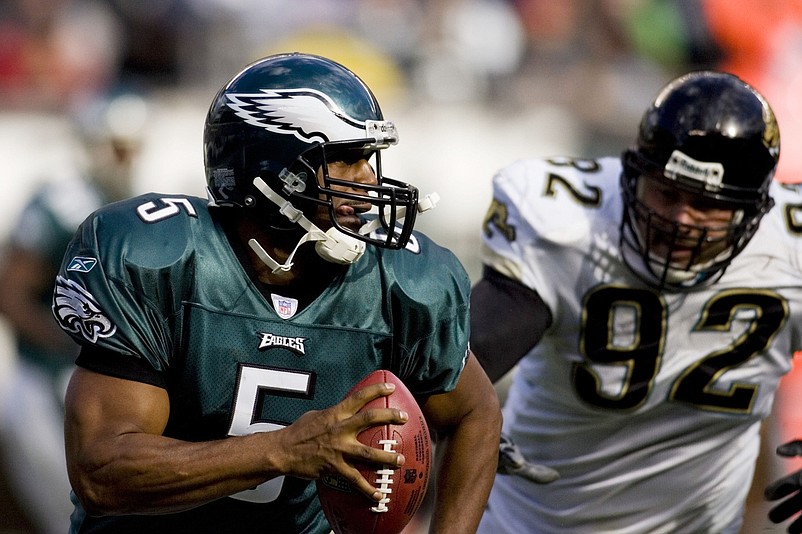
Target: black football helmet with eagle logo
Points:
(710, 134)
(282, 118)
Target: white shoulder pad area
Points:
(555, 199)
(786, 218)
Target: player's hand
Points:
(512, 462)
(325, 441)
(787, 486)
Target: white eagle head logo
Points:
(77, 311)
(307, 114)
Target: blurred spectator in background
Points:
(55, 52)
(154, 35)
(56, 56)
(759, 41)
(31, 414)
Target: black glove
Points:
(783, 487)
(512, 462)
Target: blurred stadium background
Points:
(471, 84)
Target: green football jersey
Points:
(155, 278)
(44, 228)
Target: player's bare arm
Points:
(467, 423)
(119, 463)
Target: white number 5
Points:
(254, 384)
(148, 211)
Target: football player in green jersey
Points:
(109, 130)
(218, 344)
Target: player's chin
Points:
(674, 253)
(661, 251)
(350, 222)
(682, 257)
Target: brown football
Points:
(350, 512)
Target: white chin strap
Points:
(332, 245)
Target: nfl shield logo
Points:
(285, 307)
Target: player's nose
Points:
(362, 172)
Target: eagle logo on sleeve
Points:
(77, 311)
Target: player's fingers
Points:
(795, 527)
(359, 398)
(357, 481)
(378, 416)
(786, 509)
(792, 448)
(783, 487)
(377, 454)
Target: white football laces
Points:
(385, 479)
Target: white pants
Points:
(32, 434)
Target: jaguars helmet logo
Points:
(77, 311)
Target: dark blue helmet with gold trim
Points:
(709, 134)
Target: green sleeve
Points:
(122, 280)
(431, 307)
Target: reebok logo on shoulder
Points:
(82, 264)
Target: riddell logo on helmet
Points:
(709, 173)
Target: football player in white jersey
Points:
(652, 303)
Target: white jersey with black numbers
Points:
(648, 403)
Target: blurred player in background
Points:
(219, 336)
(653, 302)
(110, 132)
